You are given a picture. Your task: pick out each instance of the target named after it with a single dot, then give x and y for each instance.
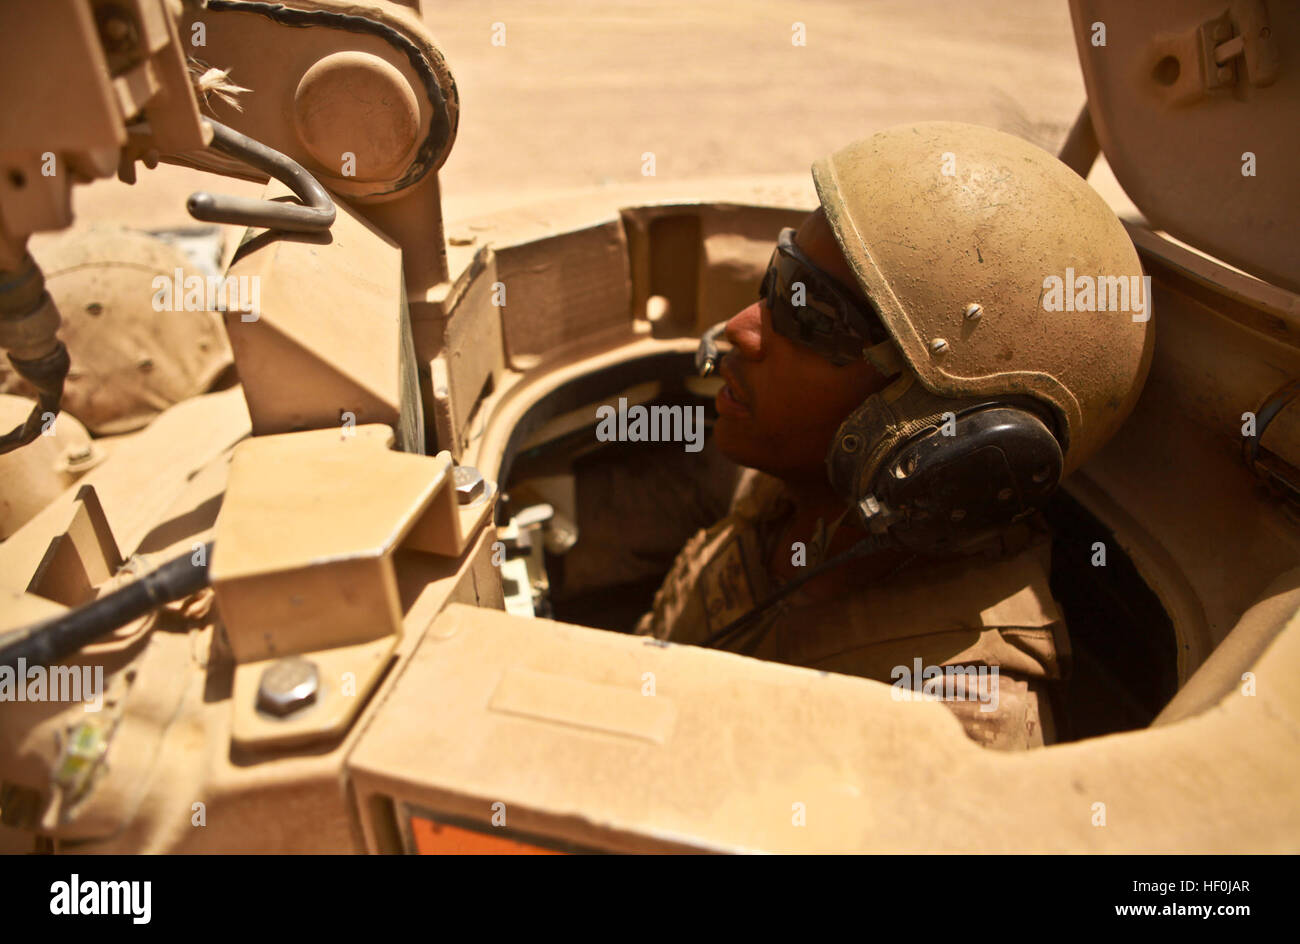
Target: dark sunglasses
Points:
(813, 309)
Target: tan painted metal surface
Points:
(1196, 104)
(333, 547)
(744, 744)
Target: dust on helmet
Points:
(130, 360)
(1011, 295)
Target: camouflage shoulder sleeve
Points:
(1015, 717)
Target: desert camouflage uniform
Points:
(990, 610)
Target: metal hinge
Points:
(1275, 462)
(1238, 47)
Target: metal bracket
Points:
(1238, 43)
(298, 573)
(1272, 468)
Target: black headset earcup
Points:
(964, 481)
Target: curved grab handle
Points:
(316, 216)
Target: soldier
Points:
(905, 405)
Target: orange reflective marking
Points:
(433, 838)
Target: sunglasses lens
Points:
(809, 307)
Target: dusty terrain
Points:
(581, 90)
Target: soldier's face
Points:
(782, 402)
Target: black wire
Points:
(54, 640)
(47, 375)
(867, 545)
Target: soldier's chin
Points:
(735, 439)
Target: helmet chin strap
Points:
(884, 357)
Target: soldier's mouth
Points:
(729, 400)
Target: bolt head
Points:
(79, 457)
(470, 486)
(938, 346)
(973, 311)
(287, 685)
(117, 29)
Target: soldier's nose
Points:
(745, 331)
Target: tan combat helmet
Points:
(1000, 277)
(137, 324)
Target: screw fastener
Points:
(938, 346)
(973, 311)
(287, 685)
(79, 457)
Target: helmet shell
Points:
(130, 361)
(937, 217)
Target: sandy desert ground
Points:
(715, 88)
